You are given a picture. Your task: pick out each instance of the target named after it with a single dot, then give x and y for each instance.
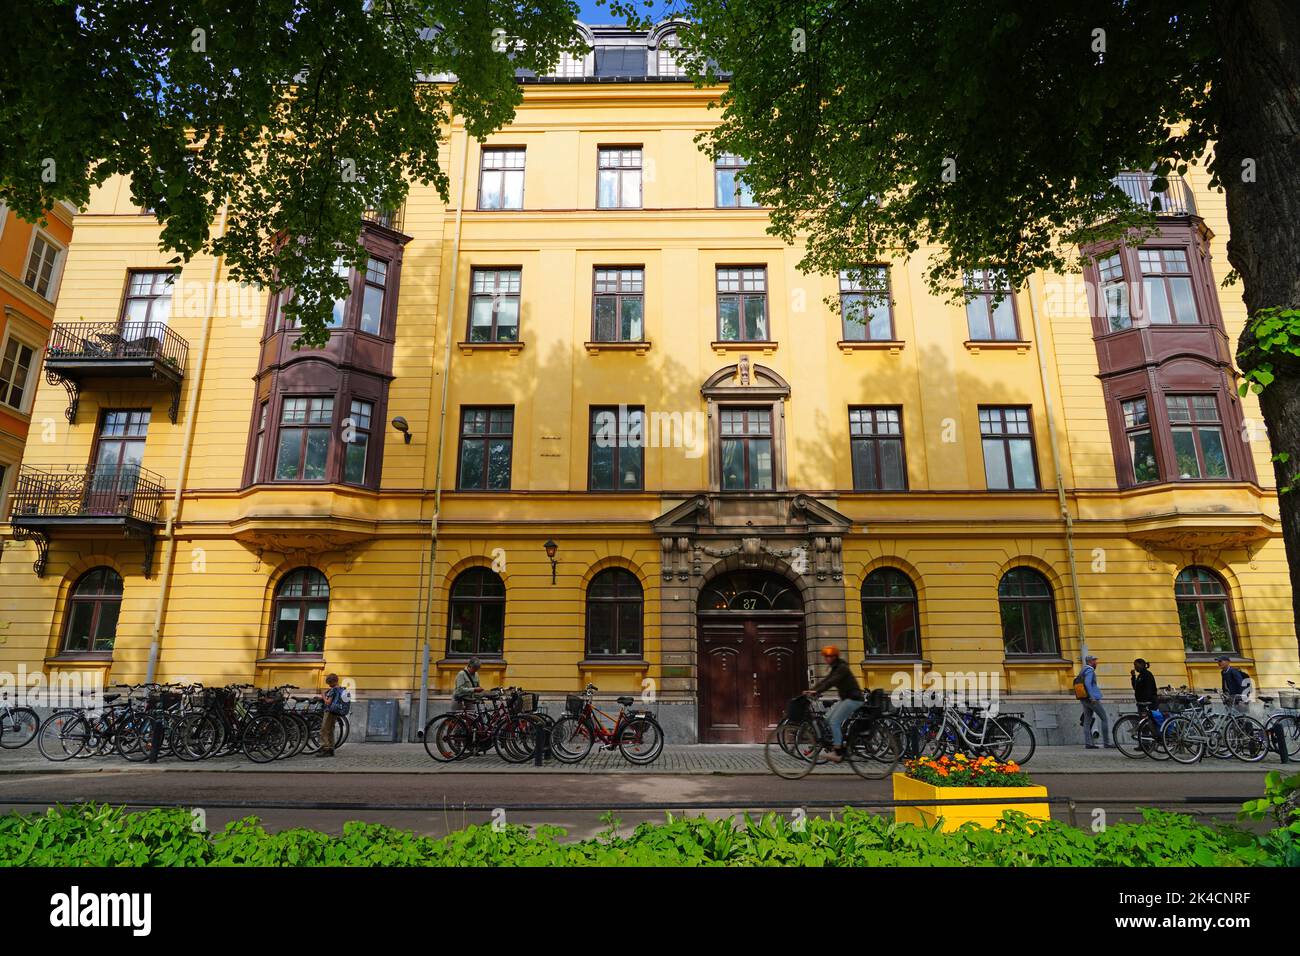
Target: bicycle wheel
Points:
(1126, 735)
(133, 737)
(1150, 740)
(804, 753)
(303, 733)
(1246, 739)
(263, 739)
(515, 739)
(641, 740)
(1181, 738)
(18, 728)
(341, 730)
(195, 736)
(292, 735)
(873, 750)
(446, 737)
(1008, 739)
(572, 738)
(64, 734)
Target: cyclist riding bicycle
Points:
(842, 679)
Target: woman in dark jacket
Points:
(1144, 684)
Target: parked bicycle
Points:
(1189, 736)
(18, 725)
(505, 720)
(635, 733)
(1286, 720)
(803, 739)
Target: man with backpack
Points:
(337, 704)
(1089, 694)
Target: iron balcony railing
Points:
(118, 340)
(388, 218)
(1176, 200)
(87, 491)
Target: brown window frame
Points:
(619, 295)
(1162, 279)
(127, 435)
(98, 600)
(359, 429)
(484, 169)
(741, 296)
(1005, 438)
(982, 288)
(124, 316)
(1023, 601)
(1194, 426)
(306, 425)
(495, 296)
(622, 415)
(303, 603)
(877, 438)
(477, 600)
(604, 148)
(1137, 428)
(863, 294)
(887, 601)
(746, 440)
(1199, 598)
(486, 437)
(623, 578)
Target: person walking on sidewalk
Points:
(337, 702)
(1144, 686)
(1092, 708)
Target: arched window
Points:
(750, 591)
(889, 618)
(476, 625)
(614, 614)
(93, 607)
(1204, 613)
(302, 602)
(1028, 613)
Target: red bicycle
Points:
(636, 734)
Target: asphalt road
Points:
(435, 804)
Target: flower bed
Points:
(971, 778)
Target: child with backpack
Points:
(337, 704)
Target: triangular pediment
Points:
(777, 513)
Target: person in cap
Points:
(467, 683)
(1092, 708)
(846, 685)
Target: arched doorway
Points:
(751, 654)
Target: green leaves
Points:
(298, 115)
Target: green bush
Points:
(94, 835)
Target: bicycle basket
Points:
(1288, 699)
(798, 708)
(523, 702)
(574, 703)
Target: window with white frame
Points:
(666, 58)
(42, 263)
(16, 366)
(571, 64)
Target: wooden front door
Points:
(750, 667)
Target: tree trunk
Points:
(1256, 99)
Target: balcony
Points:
(1176, 200)
(80, 499)
(148, 351)
(391, 219)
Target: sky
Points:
(599, 13)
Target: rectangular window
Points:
(729, 187)
(148, 298)
(1141, 444)
(356, 432)
(1008, 438)
(372, 297)
(746, 452)
(494, 305)
(990, 306)
(501, 179)
(876, 436)
(666, 61)
(486, 444)
(618, 177)
(616, 448)
(619, 305)
(117, 454)
(864, 304)
(16, 373)
(742, 304)
(1167, 287)
(1114, 292)
(259, 453)
(302, 452)
(41, 263)
(1197, 433)
(339, 313)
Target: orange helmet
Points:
(830, 650)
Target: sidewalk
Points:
(690, 759)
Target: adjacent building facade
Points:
(589, 423)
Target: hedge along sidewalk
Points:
(679, 759)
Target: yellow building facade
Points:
(595, 345)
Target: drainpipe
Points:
(1066, 517)
(442, 438)
(169, 532)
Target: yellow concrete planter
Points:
(956, 813)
